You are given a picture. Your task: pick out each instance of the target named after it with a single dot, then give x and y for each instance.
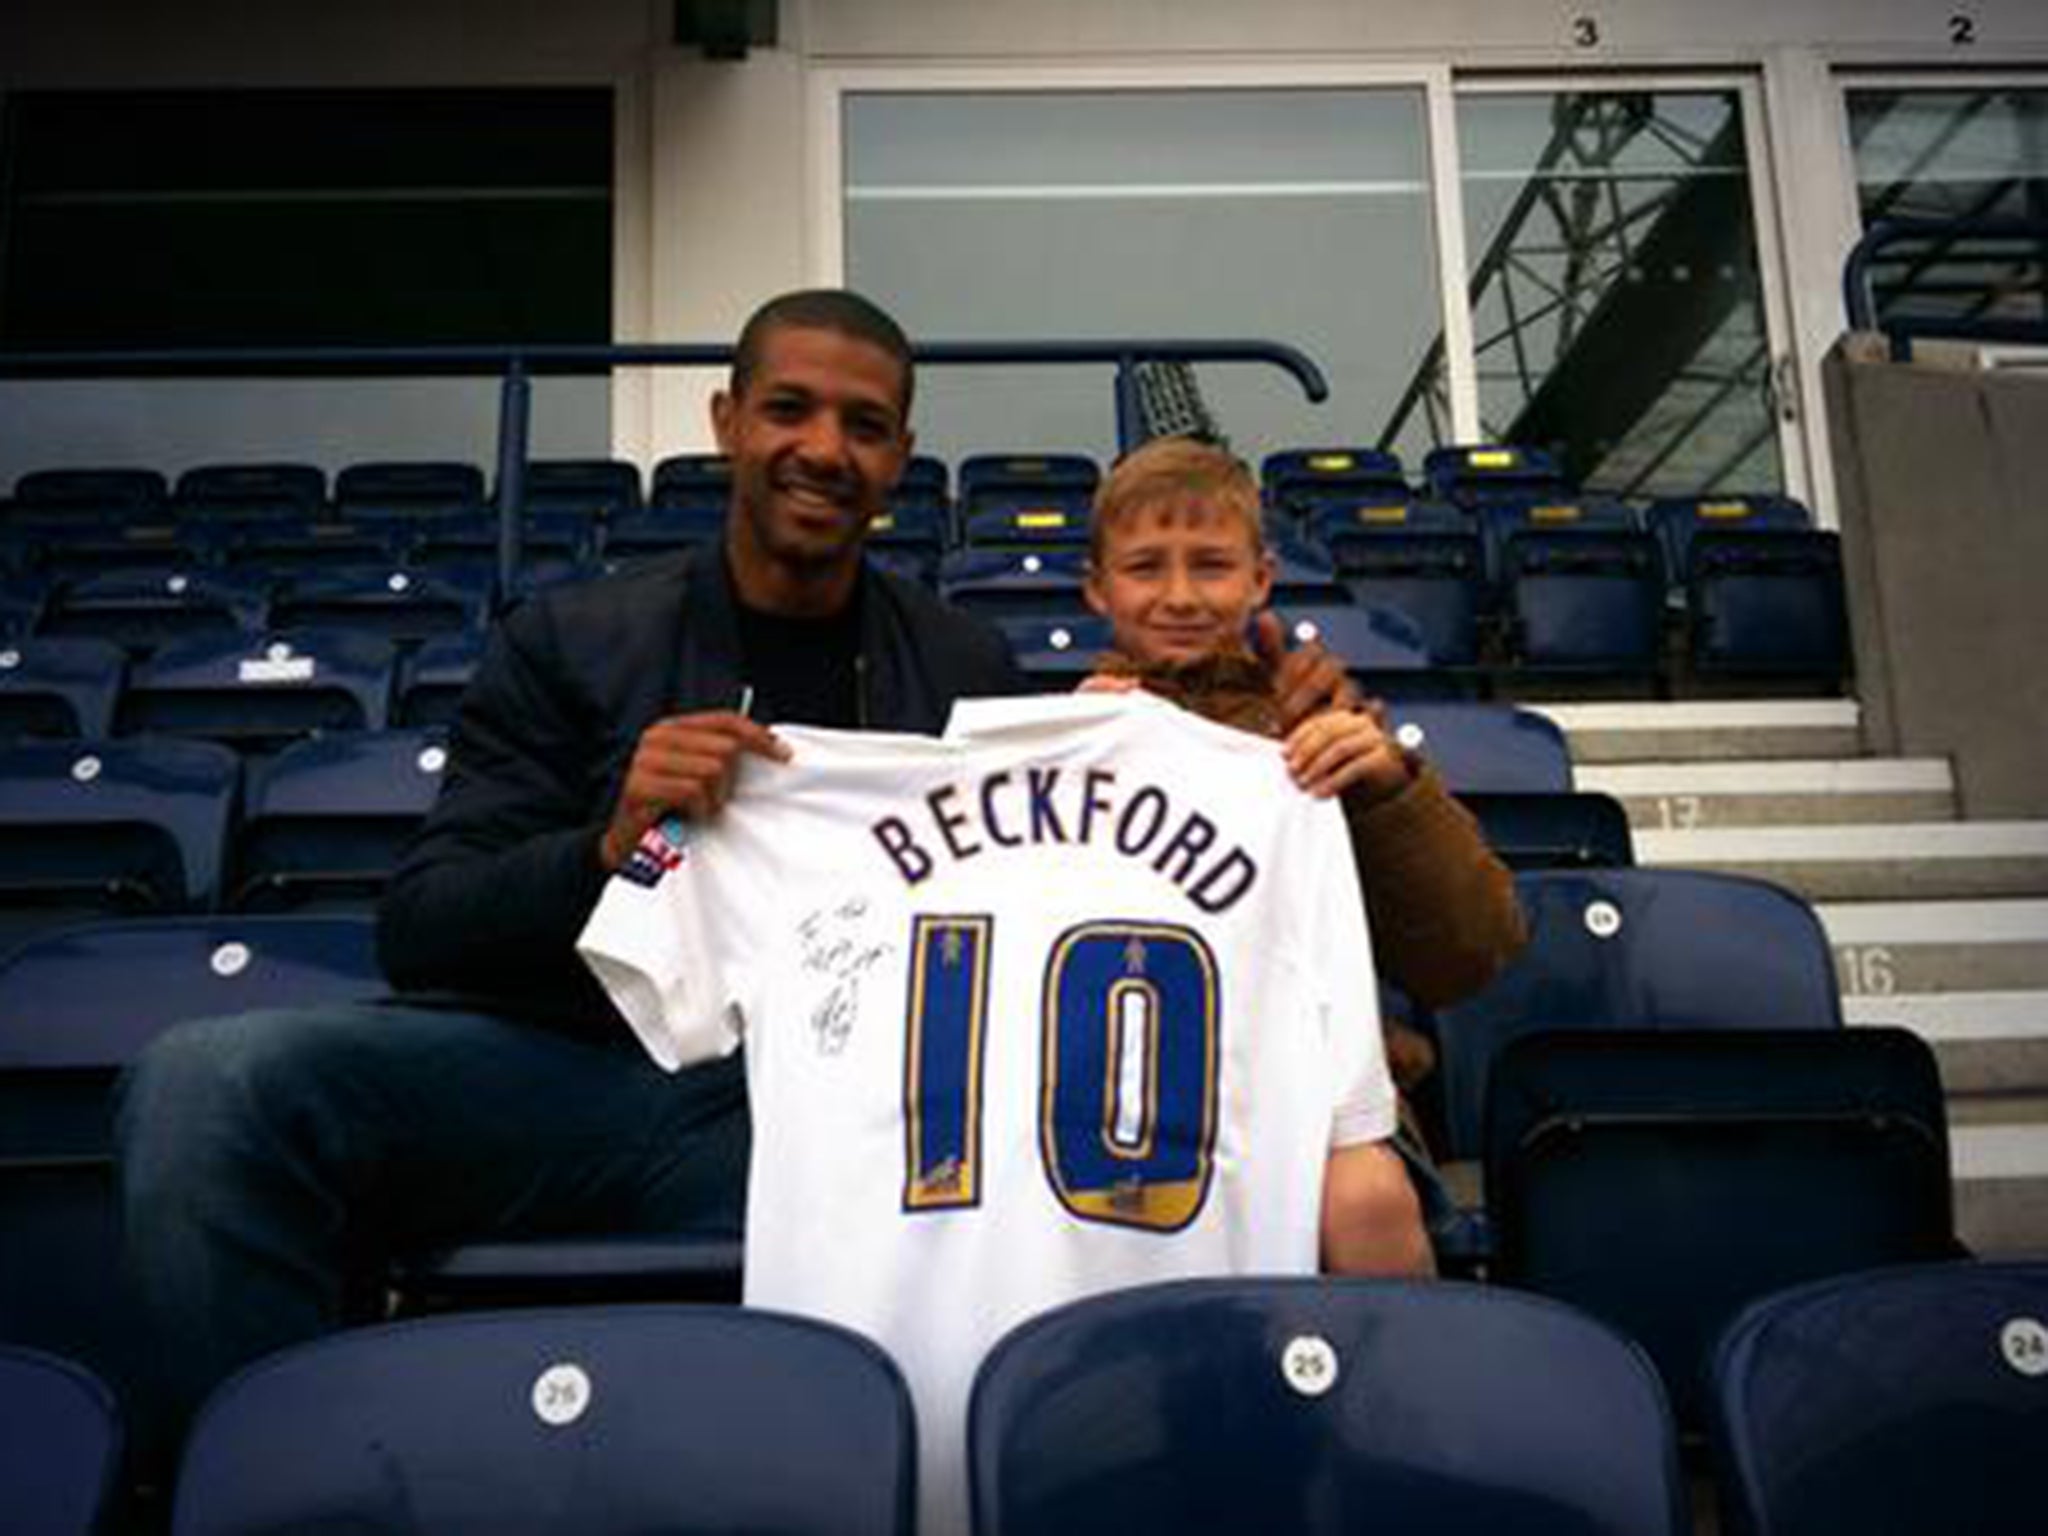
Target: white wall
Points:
(717, 203)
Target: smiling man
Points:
(273, 1163)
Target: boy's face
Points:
(1179, 582)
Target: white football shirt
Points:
(1077, 997)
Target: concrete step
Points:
(1892, 948)
(1718, 731)
(1988, 1043)
(1684, 797)
(2001, 1188)
(1903, 860)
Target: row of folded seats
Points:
(1898, 1400)
(1671, 1120)
(1494, 563)
(213, 780)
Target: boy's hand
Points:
(1340, 748)
(686, 764)
(1107, 682)
(1306, 680)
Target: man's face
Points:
(1178, 583)
(817, 441)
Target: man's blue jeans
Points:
(273, 1162)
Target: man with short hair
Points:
(272, 1161)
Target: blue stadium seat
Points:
(432, 678)
(1320, 1407)
(279, 543)
(665, 525)
(605, 1421)
(233, 490)
(595, 488)
(60, 1441)
(1636, 948)
(147, 607)
(983, 476)
(1662, 1180)
(1676, 520)
(1553, 829)
(1304, 577)
(402, 603)
(325, 822)
(1480, 474)
(1027, 517)
(1583, 593)
(1055, 652)
(86, 544)
(1298, 481)
(125, 491)
(1767, 602)
(911, 536)
(1896, 1401)
(470, 539)
(421, 486)
(111, 826)
(1486, 747)
(1378, 647)
(1045, 584)
(1423, 558)
(691, 479)
(258, 692)
(76, 1007)
(59, 687)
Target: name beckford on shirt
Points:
(1077, 997)
(1032, 807)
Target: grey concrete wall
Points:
(1942, 471)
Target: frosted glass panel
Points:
(1298, 216)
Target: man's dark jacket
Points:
(486, 907)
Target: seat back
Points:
(109, 826)
(430, 486)
(1768, 602)
(1379, 647)
(1554, 829)
(326, 821)
(1478, 474)
(127, 491)
(691, 479)
(60, 1440)
(76, 1007)
(259, 692)
(149, 606)
(213, 489)
(597, 488)
(1319, 1406)
(1637, 948)
(1662, 1180)
(598, 1420)
(1907, 1399)
(1297, 479)
(1677, 520)
(59, 687)
(1486, 747)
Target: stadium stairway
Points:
(1938, 923)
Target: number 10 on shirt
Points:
(1128, 1069)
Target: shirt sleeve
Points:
(652, 944)
(1338, 951)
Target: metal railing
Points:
(515, 367)
(2023, 243)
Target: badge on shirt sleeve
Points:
(662, 847)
